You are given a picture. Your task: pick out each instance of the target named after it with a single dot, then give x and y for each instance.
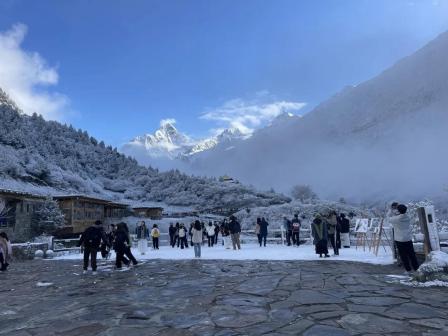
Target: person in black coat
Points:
(287, 225)
(172, 233)
(263, 231)
(216, 233)
(295, 230)
(91, 240)
(128, 253)
(121, 244)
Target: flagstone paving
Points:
(222, 298)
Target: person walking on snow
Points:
(257, 230)
(210, 234)
(155, 234)
(216, 232)
(320, 236)
(263, 231)
(142, 234)
(91, 240)
(287, 226)
(225, 233)
(176, 235)
(121, 244)
(197, 238)
(296, 224)
(403, 238)
(127, 252)
(345, 230)
(172, 233)
(183, 236)
(235, 231)
(332, 222)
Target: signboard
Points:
(374, 225)
(362, 225)
(428, 224)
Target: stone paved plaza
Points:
(194, 297)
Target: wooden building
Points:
(17, 210)
(148, 212)
(82, 211)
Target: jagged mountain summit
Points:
(167, 143)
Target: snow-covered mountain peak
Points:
(166, 139)
(230, 134)
(169, 143)
(283, 118)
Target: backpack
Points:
(296, 226)
(181, 232)
(155, 233)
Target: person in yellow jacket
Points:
(155, 234)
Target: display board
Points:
(428, 225)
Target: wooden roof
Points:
(89, 199)
(19, 194)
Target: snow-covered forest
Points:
(45, 155)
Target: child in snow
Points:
(155, 234)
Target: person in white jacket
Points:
(403, 238)
(197, 238)
(210, 228)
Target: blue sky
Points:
(116, 68)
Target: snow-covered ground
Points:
(254, 252)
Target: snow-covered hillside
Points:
(48, 157)
(381, 139)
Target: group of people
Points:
(5, 251)
(143, 233)
(330, 228)
(94, 239)
(230, 232)
(292, 229)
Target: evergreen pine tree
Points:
(48, 218)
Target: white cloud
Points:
(164, 122)
(249, 115)
(25, 76)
